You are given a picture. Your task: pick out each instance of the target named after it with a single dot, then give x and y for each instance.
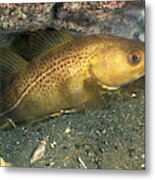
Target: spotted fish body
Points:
(63, 77)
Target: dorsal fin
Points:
(21, 45)
(31, 44)
(45, 39)
(10, 64)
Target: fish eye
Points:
(134, 57)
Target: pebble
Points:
(53, 144)
(67, 130)
(39, 152)
(142, 166)
(133, 95)
(82, 162)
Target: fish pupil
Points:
(134, 57)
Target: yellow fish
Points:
(66, 74)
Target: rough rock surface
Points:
(118, 18)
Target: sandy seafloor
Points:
(111, 137)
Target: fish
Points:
(66, 72)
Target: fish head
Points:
(118, 62)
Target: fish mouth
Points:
(110, 87)
(107, 87)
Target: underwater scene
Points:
(72, 85)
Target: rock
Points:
(25, 16)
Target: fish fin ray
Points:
(21, 45)
(44, 39)
(10, 64)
